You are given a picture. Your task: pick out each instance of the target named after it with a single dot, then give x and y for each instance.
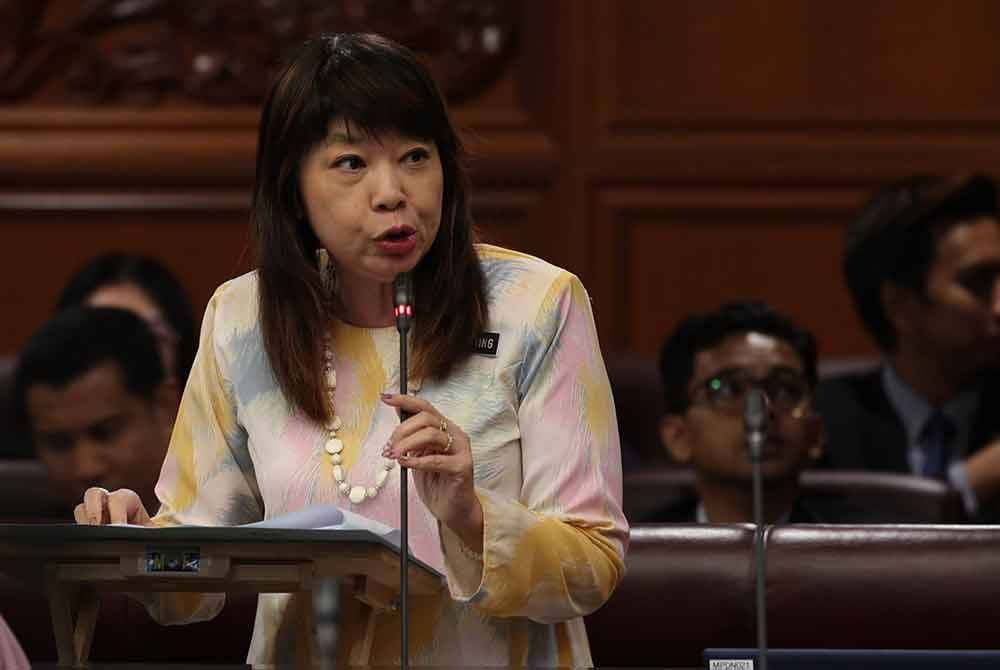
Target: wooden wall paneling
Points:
(567, 51)
(607, 131)
(515, 156)
(700, 111)
(200, 237)
(509, 218)
(137, 149)
(780, 64)
(785, 92)
(170, 174)
(678, 250)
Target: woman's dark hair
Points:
(156, 281)
(699, 332)
(377, 86)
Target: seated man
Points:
(91, 393)
(923, 267)
(708, 365)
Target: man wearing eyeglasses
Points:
(922, 264)
(708, 365)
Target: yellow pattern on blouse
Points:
(547, 466)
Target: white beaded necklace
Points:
(356, 493)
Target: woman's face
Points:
(374, 204)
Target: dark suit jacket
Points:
(685, 510)
(863, 431)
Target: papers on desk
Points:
(315, 517)
(328, 517)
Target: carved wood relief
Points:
(670, 153)
(222, 52)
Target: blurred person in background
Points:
(149, 289)
(91, 394)
(922, 264)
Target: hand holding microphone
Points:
(436, 449)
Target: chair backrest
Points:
(689, 587)
(26, 494)
(635, 384)
(845, 496)
(686, 587)
(883, 497)
(12, 443)
(883, 587)
(645, 493)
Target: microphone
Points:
(755, 422)
(402, 300)
(756, 415)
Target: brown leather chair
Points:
(844, 496)
(25, 494)
(689, 587)
(645, 493)
(883, 497)
(12, 442)
(686, 587)
(635, 384)
(883, 587)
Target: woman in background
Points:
(146, 287)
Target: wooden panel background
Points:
(674, 153)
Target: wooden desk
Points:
(73, 563)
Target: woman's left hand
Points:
(439, 453)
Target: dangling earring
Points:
(327, 273)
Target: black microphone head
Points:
(755, 412)
(402, 290)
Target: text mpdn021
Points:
(730, 664)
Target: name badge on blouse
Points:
(486, 344)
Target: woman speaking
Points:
(511, 438)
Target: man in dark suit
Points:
(922, 264)
(708, 365)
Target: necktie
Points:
(935, 441)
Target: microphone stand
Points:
(403, 311)
(326, 609)
(755, 418)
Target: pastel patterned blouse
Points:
(544, 437)
(11, 655)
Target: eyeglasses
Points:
(726, 391)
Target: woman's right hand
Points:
(99, 507)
